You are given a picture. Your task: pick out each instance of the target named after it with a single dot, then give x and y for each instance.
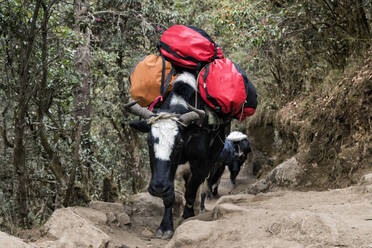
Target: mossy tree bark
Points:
(24, 94)
(82, 101)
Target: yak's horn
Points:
(198, 111)
(136, 109)
(194, 114)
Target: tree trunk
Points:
(19, 160)
(70, 190)
(364, 29)
(19, 152)
(55, 162)
(82, 103)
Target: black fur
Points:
(140, 125)
(235, 163)
(197, 143)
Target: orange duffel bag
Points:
(151, 79)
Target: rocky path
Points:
(280, 219)
(337, 218)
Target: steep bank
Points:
(329, 128)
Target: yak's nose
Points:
(158, 188)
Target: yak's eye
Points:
(179, 143)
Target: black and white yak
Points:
(177, 134)
(233, 156)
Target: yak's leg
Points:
(214, 180)
(202, 201)
(166, 230)
(203, 195)
(215, 189)
(190, 195)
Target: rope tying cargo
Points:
(163, 116)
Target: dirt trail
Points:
(134, 237)
(334, 218)
(108, 222)
(281, 219)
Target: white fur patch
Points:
(178, 100)
(187, 78)
(236, 136)
(165, 131)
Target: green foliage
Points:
(297, 41)
(121, 31)
(285, 46)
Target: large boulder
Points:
(8, 241)
(115, 213)
(146, 204)
(96, 217)
(284, 175)
(107, 207)
(192, 233)
(67, 229)
(145, 212)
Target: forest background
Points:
(64, 68)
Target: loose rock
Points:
(12, 242)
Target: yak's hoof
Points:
(188, 213)
(209, 196)
(215, 196)
(160, 234)
(168, 234)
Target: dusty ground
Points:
(334, 218)
(339, 218)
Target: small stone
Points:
(367, 179)
(147, 233)
(111, 218)
(123, 219)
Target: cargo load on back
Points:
(151, 79)
(227, 90)
(223, 86)
(188, 46)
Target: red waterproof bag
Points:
(188, 46)
(227, 90)
(250, 104)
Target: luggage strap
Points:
(163, 86)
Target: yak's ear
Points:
(140, 125)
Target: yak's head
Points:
(241, 150)
(165, 142)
